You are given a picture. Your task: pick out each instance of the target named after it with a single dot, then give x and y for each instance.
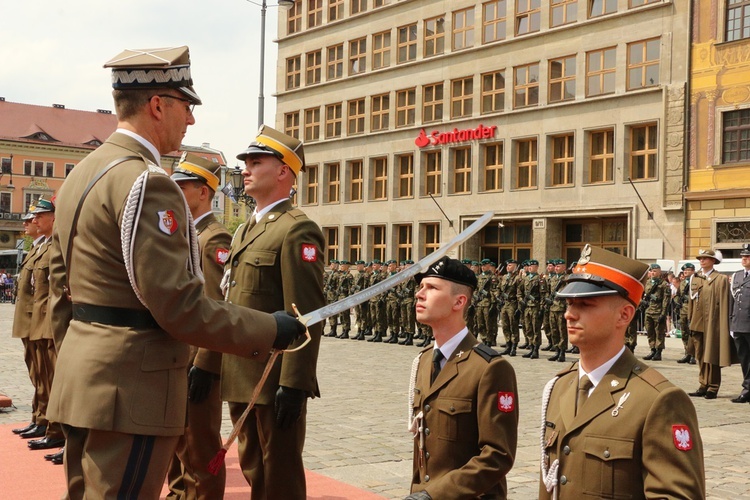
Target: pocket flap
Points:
(261, 257)
(453, 406)
(608, 448)
(165, 355)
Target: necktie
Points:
(584, 384)
(437, 356)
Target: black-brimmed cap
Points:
(451, 270)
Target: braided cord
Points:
(130, 218)
(549, 476)
(412, 384)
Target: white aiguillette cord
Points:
(215, 464)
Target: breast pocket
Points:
(453, 415)
(609, 467)
(258, 273)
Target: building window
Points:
(314, 13)
(6, 166)
(378, 242)
(379, 178)
(379, 109)
(291, 124)
(68, 168)
(379, 3)
(27, 167)
(353, 237)
(738, 20)
(463, 29)
(335, 62)
(493, 21)
(433, 173)
(5, 203)
(462, 171)
(312, 185)
(526, 86)
(602, 7)
(332, 242)
(357, 56)
(526, 164)
(432, 97)
(312, 124)
(38, 168)
(357, 6)
(638, 3)
(407, 43)
(405, 107)
(643, 149)
(736, 136)
(49, 169)
(643, 64)
(563, 159)
(462, 97)
(356, 180)
(563, 12)
(293, 72)
(333, 120)
(493, 167)
(431, 233)
(333, 182)
(335, 10)
(403, 242)
(610, 233)
(600, 72)
(528, 16)
(313, 67)
(602, 156)
(356, 117)
(405, 175)
(512, 241)
(381, 50)
(294, 18)
(562, 79)
(434, 36)
(493, 92)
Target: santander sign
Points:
(469, 134)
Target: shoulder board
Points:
(572, 367)
(155, 169)
(297, 213)
(652, 376)
(486, 352)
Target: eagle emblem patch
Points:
(167, 222)
(222, 254)
(682, 439)
(506, 402)
(309, 253)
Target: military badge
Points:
(506, 402)
(309, 253)
(682, 439)
(585, 255)
(222, 254)
(167, 222)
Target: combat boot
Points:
(392, 339)
(525, 346)
(344, 335)
(535, 352)
(561, 359)
(556, 356)
(508, 348)
(409, 340)
(657, 355)
(651, 355)
(377, 338)
(549, 347)
(684, 359)
(512, 352)
(692, 360)
(332, 333)
(425, 342)
(529, 354)
(360, 335)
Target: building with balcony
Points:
(565, 118)
(718, 194)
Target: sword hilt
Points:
(303, 320)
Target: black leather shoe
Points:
(561, 359)
(57, 460)
(684, 359)
(46, 443)
(744, 397)
(52, 456)
(698, 394)
(711, 395)
(24, 429)
(37, 431)
(692, 361)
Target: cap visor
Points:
(578, 289)
(181, 176)
(190, 93)
(252, 150)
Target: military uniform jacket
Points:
(508, 289)
(658, 295)
(24, 297)
(346, 282)
(556, 282)
(214, 241)
(740, 320)
(709, 311)
(125, 379)
(530, 290)
(652, 448)
(470, 421)
(408, 290)
(485, 285)
(40, 325)
(274, 264)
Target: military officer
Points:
(330, 288)
(656, 299)
(530, 295)
(346, 284)
(508, 298)
(188, 477)
(740, 321)
(120, 387)
(406, 291)
(276, 261)
(361, 282)
(682, 297)
(463, 398)
(612, 426)
(557, 305)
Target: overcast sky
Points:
(53, 52)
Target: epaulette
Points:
(486, 352)
(652, 377)
(296, 213)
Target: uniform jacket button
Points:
(606, 453)
(427, 479)
(427, 454)
(236, 263)
(255, 353)
(427, 431)
(427, 407)
(563, 480)
(257, 261)
(234, 283)
(566, 450)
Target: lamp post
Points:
(239, 189)
(10, 185)
(285, 4)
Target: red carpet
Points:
(26, 475)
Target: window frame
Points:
(314, 67)
(644, 65)
(381, 55)
(606, 156)
(603, 72)
(380, 112)
(497, 24)
(493, 170)
(462, 35)
(335, 121)
(407, 44)
(437, 39)
(495, 94)
(293, 72)
(430, 108)
(562, 167)
(462, 105)
(530, 163)
(566, 62)
(335, 65)
(527, 87)
(406, 112)
(651, 154)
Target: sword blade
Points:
(342, 305)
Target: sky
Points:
(53, 53)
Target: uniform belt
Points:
(115, 316)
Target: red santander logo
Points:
(470, 134)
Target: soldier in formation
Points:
(655, 303)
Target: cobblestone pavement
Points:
(356, 432)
